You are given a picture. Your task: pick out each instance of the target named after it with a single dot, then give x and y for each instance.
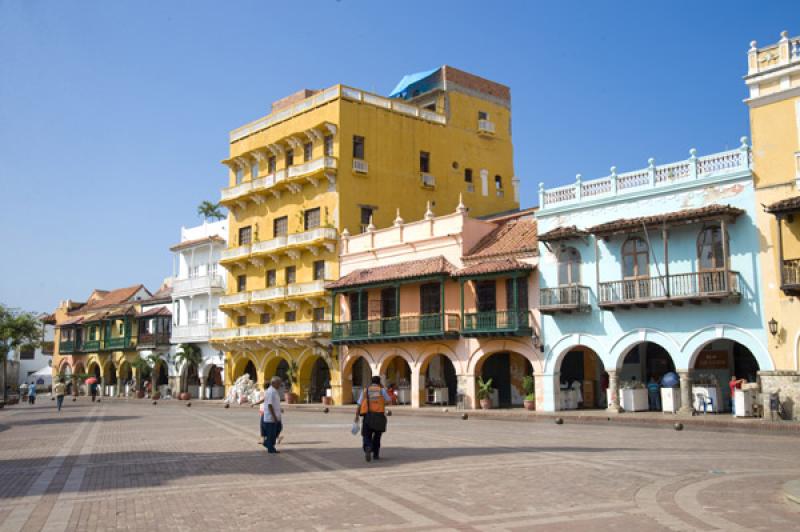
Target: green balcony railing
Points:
(91, 345)
(497, 322)
(66, 346)
(403, 327)
(120, 342)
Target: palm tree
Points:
(142, 366)
(188, 355)
(18, 330)
(210, 211)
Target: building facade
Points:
(435, 304)
(198, 285)
(153, 332)
(773, 79)
(338, 158)
(649, 272)
(98, 338)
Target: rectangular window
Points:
(319, 314)
(241, 321)
(241, 283)
(319, 270)
(289, 158)
(522, 294)
(311, 219)
(194, 271)
(358, 147)
(265, 318)
(366, 216)
(280, 226)
(245, 235)
(27, 352)
(272, 164)
(239, 176)
(468, 175)
(254, 170)
(271, 278)
(358, 306)
(194, 317)
(486, 294)
(291, 274)
(290, 316)
(328, 145)
(424, 162)
(483, 115)
(430, 295)
(212, 269)
(308, 151)
(498, 182)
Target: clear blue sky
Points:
(114, 115)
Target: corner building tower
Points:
(342, 161)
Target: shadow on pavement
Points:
(62, 420)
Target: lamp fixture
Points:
(773, 327)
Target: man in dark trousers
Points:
(372, 406)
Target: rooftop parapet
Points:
(784, 53)
(652, 177)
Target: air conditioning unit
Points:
(428, 181)
(360, 166)
(470, 187)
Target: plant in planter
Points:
(527, 387)
(485, 393)
(292, 375)
(188, 355)
(155, 370)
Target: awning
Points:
(410, 79)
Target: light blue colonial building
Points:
(647, 272)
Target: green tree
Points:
(188, 355)
(210, 211)
(18, 330)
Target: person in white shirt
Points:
(272, 420)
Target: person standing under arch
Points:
(372, 407)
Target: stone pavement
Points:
(129, 465)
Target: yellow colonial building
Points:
(334, 162)
(773, 78)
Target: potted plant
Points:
(292, 374)
(485, 393)
(527, 387)
(188, 355)
(153, 363)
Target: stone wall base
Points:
(787, 385)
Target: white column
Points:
(687, 405)
(613, 399)
(547, 392)
(466, 386)
(485, 182)
(417, 388)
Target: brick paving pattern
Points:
(129, 465)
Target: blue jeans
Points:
(59, 401)
(271, 431)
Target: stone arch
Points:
(240, 361)
(623, 345)
(314, 374)
(64, 365)
(579, 379)
(507, 369)
(701, 338)
(487, 349)
(430, 351)
(565, 344)
(353, 355)
(390, 354)
(272, 360)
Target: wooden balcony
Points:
(695, 288)
(120, 342)
(150, 340)
(497, 323)
(403, 328)
(66, 346)
(566, 299)
(790, 280)
(90, 345)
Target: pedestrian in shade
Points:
(32, 393)
(59, 390)
(372, 407)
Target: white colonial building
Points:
(199, 282)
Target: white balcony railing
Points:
(360, 166)
(310, 167)
(233, 332)
(187, 333)
(265, 246)
(300, 289)
(485, 126)
(267, 294)
(236, 190)
(195, 284)
(235, 253)
(235, 299)
(274, 329)
(320, 233)
(717, 164)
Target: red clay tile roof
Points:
(493, 266)
(395, 272)
(709, 212)
(189, 243)
(113, 297)
(162, 294)
(158, 311)
(72, 321)
(516, 235)
(562, 233)
(785, 205)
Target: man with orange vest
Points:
(372, 407)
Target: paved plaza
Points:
(133, 466)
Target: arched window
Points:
(569, 267)
(635, 258)
(709, 249)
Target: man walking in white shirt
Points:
(272, 415)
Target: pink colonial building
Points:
(434, 304)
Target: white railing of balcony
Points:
(275, 292)
(257, 330)
(236, 190)
(234, 299)
(486, 125)
(183, 332)
(205, 282)
(232, 332)
(726, 162)
(266, 246)
(360, 166)
(306, 288)
(235, 253)
(269, 180)
(321, 163)
(320, 233)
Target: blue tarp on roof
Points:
(410, 79)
